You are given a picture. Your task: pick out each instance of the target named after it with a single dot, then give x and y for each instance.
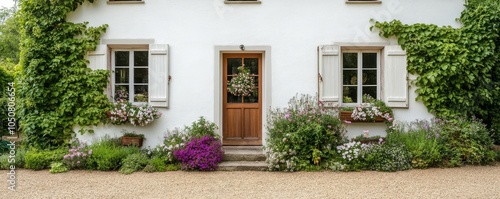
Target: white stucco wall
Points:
(293, 29)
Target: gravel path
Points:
(465, 182)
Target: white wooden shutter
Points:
(158, 75)
(98, 58)
(395, 77)
(329, 75)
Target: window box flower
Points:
(372, 110)
(347, 116)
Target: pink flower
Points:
(287, 115)
(390, 119)
(347, 121)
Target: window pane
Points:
(351, 92)
(140, 75)
(121, 75)
(140, 58)
(253, 65)
(232, 65)
(122, 58)
(232, 98)
(369, 60)
(350, 60)
(350, 77)
(370, 90)
(369, 77)
(141, 93)
(121, 93)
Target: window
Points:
(360, 75)
(347, 73)
(143, 71)
(130, 75)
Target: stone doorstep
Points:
(243, 153)
(243, 166)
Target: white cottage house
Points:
(180, 54)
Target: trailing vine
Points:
(456, 67)
(55, 89)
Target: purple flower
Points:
(202, 154)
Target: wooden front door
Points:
(242, 115)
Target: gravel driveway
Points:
(465, 182)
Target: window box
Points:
(363, 2)
(242, 2)
(346, 116)
(125, 2)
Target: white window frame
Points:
(359, 70)
(131, 74)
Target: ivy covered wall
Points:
(55, 89)
(458, 68)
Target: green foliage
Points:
(17, 160)
(174, 167)
(301, 135)
(465, 141)
(4, 146)
(388, 157)
(134, 162)
(457, 68)
(422, 140)
(41, 159)
(108, 155)
(6, 77)
(4, 162)
(9, 35)
(56, 89)
(58, 167)
(157, 164)
(202, 127)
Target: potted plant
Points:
(365, 138)
(372, 110)
(132, 138)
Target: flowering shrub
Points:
(123, 112)
(387, 157)
(465, 141)
(421, 137)
(243, 84)
(202, 154)
(77, 156)
(303, 135)
(351, 157)
(173, 140)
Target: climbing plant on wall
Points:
(457, 67)
(55, 89)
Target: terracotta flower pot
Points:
(132, 141)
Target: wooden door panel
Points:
(242, 115)
(232, 126)
(252, 123)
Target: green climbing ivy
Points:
(55, 89)
(457, 68)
